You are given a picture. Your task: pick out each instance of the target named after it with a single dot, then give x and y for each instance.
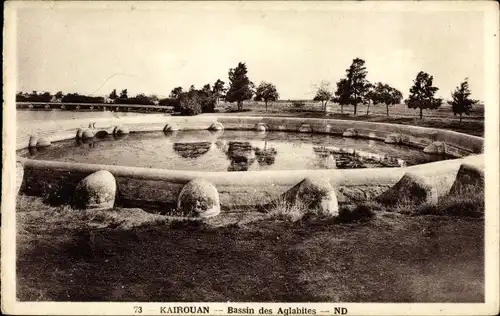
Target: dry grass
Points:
(299, 212)
(399, 110)
(31, 211)
(65, 255)
(293, 212)
(284, 210)
(469, 202)
(399, 114)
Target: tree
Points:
(36, 97)
(123, 94)
(206, 98)
(113, 95)
(193, 101)
(21, 97)
(59, 95)
(176, 93)
(218, 89)
(252, 88)
(422, 93)
(461, 102)
(324, 94)
(367, 97)
(192, 92)
(80, 98)
(342, 95)
(154, 98)
(142, 99)
(239, 85)
(206, 88)
(383, 93)
(353, 89)
(393, 97)
(266, 92)
(357, 83)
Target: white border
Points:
(491, 72)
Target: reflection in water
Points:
(88, 142)
(192, 150)
(237, 151)
(265, 156)
(325, 158)
(222, 145)
(241, 155)
(343, 158)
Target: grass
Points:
(399, 114)
(293, 212)
(286, 255)
(469, 203)
(299, 212)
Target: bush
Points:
(34, 97)
(79, 98)
(207, 102)
(138, 99)
(190, 105)
(175, 103)
(195, 102)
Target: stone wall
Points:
(157, 188)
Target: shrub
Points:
(79, 98)
(175, 103)
(190, 105)
(207, 102)
(193, 102)
(138, 99)
(34, 97)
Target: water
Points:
(33, 116)
(234, 151)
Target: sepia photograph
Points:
(250, 158)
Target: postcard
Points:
(250, 158)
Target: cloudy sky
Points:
(293, 45)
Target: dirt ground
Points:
(131, 255)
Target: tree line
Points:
(239, 89)
(113, 97)
(351, 90)
(355, 89)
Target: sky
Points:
(294, 46)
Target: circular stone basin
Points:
(234, 151)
